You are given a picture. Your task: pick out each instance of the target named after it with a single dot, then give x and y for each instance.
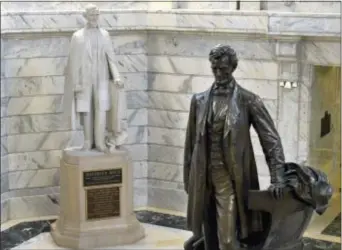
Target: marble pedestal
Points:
(96, 201)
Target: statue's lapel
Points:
(204, 110)
(87, 39)
(233, 111)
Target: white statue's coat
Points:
(80, 72)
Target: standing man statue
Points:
(93, 94)
(219, 163)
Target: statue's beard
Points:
(223, 80)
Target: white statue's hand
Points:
(119, 83)
(78, 88)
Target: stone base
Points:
(109, 235)
(96, 201)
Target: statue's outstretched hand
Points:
(277, 190)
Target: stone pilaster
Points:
(287, 54)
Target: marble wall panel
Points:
(55, 66)
(165, 154)
(167, 119)
(289, 122)
(164, 171)
(165, 195)
(4, 183)
(48, 104)
(137, 117)
(307, 6)
(138, 152)
(247, 69)
(33, 178)
(123, 44)
(322, 53)
(53, 85)
(234, 21)
(169, 101)
(29, 142)
(67, 5)
(34, 160)
(4, 210)
(165, 136)
(314, 25)
(193, 45)
(51, 21)
(70, 20)
(34, 206)
(140, 190)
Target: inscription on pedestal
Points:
(102, 177)
(103, 202)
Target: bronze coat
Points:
(245, 109)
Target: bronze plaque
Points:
(102, 177)
(103, 203)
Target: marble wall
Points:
(163, 56)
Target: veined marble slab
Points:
(33, 178)
(305, 24)
(191, 20)
(67, 5)
(22, 143)
(167, 119)
(123, 44)
(165, 171)
(55, 66)
(47, 104)
(54, 85)
(322, 53)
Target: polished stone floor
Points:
(164, 231)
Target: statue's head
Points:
(91, 14)
(223, 61)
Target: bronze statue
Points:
(220, 173)
(219, 164)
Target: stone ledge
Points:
(259, 23)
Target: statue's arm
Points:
(111, 59)
(72, 67)
(269, 138)
(189, 142)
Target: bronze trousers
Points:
(222, 207)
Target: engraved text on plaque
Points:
(103, 202)
(102, 177)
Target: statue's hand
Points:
(277, 190)
(119, 83)
(78, 88)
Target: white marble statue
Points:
(94, 93)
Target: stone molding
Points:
(259, 23)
